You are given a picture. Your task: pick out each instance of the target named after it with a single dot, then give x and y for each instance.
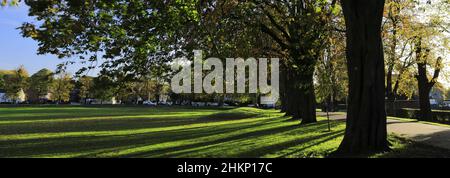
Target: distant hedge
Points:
(440, 116)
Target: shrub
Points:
(439, 116)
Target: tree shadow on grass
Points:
(94, 145)
(247, 135)
(194, 148)
(323, 139)
(129, 121)
(85, 143)
(406, 148)
(67, 112)
(227, 116)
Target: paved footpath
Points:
(434, 135)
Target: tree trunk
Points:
(301, 83)
(283, 90)
(366, 117)
(424, 101)
(389, 88)
(423, 84)
(290, 95)
(308, 103)
(390, 94)
(390, 108)
(392, 59)
(300, 98)
(295, 104)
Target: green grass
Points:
(405, 148)
(171, 132)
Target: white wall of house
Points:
(21, 97)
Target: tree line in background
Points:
(394, 49)
(46, 86)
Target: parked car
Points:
(212, 104)
(150, 103)
(164, 103)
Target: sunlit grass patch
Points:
(165, 132)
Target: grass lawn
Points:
(68, 131)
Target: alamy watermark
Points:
(214, 81)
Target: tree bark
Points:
(283, 92)
(389, 88)
(366, 118)
(424, 84)
(298, 102)
(424, 100)
(300, 97)
(290, 95)
(307, 102)
(302, 84)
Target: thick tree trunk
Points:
(295, 104)
(300, 97)
(283, 92)
(423, 84)
(366, 117)
(301, 83)
(290, 95)
(424, 101)
(308, 103)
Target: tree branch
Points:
(275, 23)
(437, 70)
(274, 36)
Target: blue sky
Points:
(16, 50)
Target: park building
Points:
(21, 97)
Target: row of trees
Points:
(138, 39)
(44, 84)
(415, 45)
